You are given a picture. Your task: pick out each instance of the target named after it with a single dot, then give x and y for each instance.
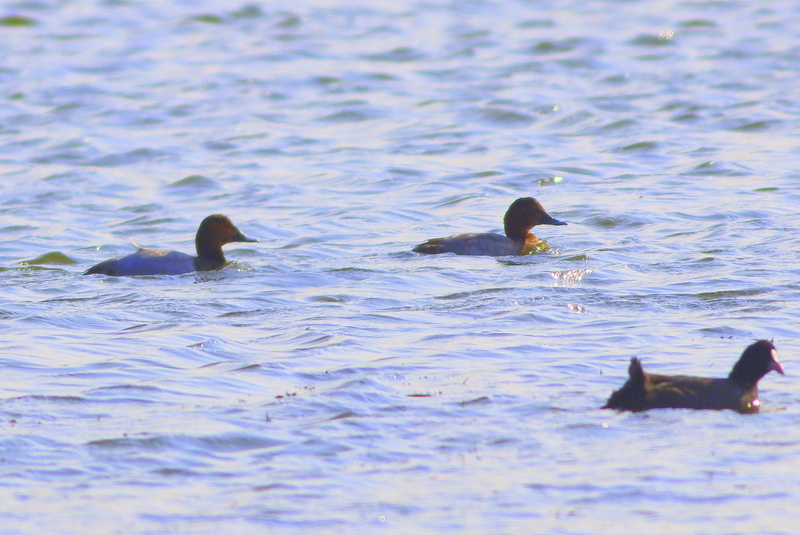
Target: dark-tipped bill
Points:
(547, 219)
(240, 236)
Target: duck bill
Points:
(547, 219)
(774, 365)
(240, 236)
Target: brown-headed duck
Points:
(523, 214)
(739, 391)
(214, 232)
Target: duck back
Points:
(146, 261)
(476, 244)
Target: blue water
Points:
(330, 381)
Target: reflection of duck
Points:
(214, 232)
(523, 214)
(739, 391)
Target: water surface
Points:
(328, 380)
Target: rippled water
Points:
(329, 380)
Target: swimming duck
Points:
(523, 214)
(214, 232)
(739, 391)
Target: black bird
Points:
(739, 391)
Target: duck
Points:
(738, 391)
(523, 214)
(214, 232)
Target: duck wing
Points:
(474, 244)
(682, 391)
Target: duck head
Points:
(524, 214)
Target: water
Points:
(329, 380)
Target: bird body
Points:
(738, 391)
(523, 214)
(214, 232)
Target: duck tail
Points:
(103, 268)
(633, 393)
(636, 372)
(429, 247)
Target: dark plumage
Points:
(523, 214)
(739, 391)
